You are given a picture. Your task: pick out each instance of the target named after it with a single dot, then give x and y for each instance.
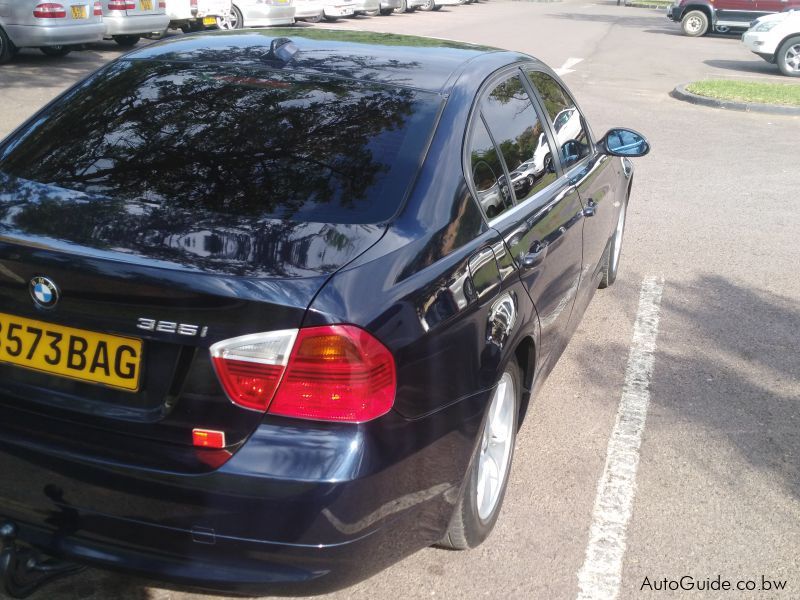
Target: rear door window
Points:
(225, 144)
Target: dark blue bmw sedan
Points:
(273, 304)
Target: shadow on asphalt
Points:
(622, 20)
(737, 377)
(759, 66)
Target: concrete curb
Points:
(681, 93)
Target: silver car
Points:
(260, 13)
(128, 20)
(50, 26)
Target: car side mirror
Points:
(624, 142)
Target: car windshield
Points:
(158, 139)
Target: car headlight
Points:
(768, 25)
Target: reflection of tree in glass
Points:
(200, 141)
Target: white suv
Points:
(776, 39)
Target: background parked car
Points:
(776, 39)
(698, 17)
(438, 4)
(52, 26)
(363, 7)
(260, 13)
(128, 20)
(194, 15)
(309, 10)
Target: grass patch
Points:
(786, 94)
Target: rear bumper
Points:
(134, 25)
(366, 5)
(307, 10)
(265, 16)
(339, 10)
(34, 36)
(300, 508)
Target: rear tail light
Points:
(121, 5)
(49, 10)
(98, 9)
(250, 367)
(193, 4)
(162, 4)
(330, 373)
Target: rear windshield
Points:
(158, 137)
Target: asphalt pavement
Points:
(714, 216)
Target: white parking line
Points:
(567, 66)
(599, 578)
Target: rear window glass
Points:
(152, 136)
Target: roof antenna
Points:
(282, 49)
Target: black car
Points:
(257, 332)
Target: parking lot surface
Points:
(713, 216)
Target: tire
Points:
(6, 47)
(386, 11)
(55, 51)
(372, 13)
(315, 19)
(233, 20)
(238, 17)
(127, 41)
(331, 19)
(437, 7)
(402, 8)
(428, 6)
(476, 513)
(788, 57)
(612, 254)
(695, 23)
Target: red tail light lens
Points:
(193, 3)
(162, 4)
(330, 373)
(98, 9)
(121, 5)
(49, 10)
(250, 367)
(337, 373)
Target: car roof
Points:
(399, 60)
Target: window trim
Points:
(476, 114)
(581, 164)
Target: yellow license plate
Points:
(90, 356)
(209, 21)
(80, 12)
(147, 4)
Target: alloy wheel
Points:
(618, 238)
(792, 58)
(495, 452)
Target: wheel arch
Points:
(704, 8)
(525, 353)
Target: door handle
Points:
(534, 256)
(591, 208)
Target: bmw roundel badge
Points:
(44, 292)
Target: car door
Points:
(539, 215)
(772, 6)
(592, 173)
